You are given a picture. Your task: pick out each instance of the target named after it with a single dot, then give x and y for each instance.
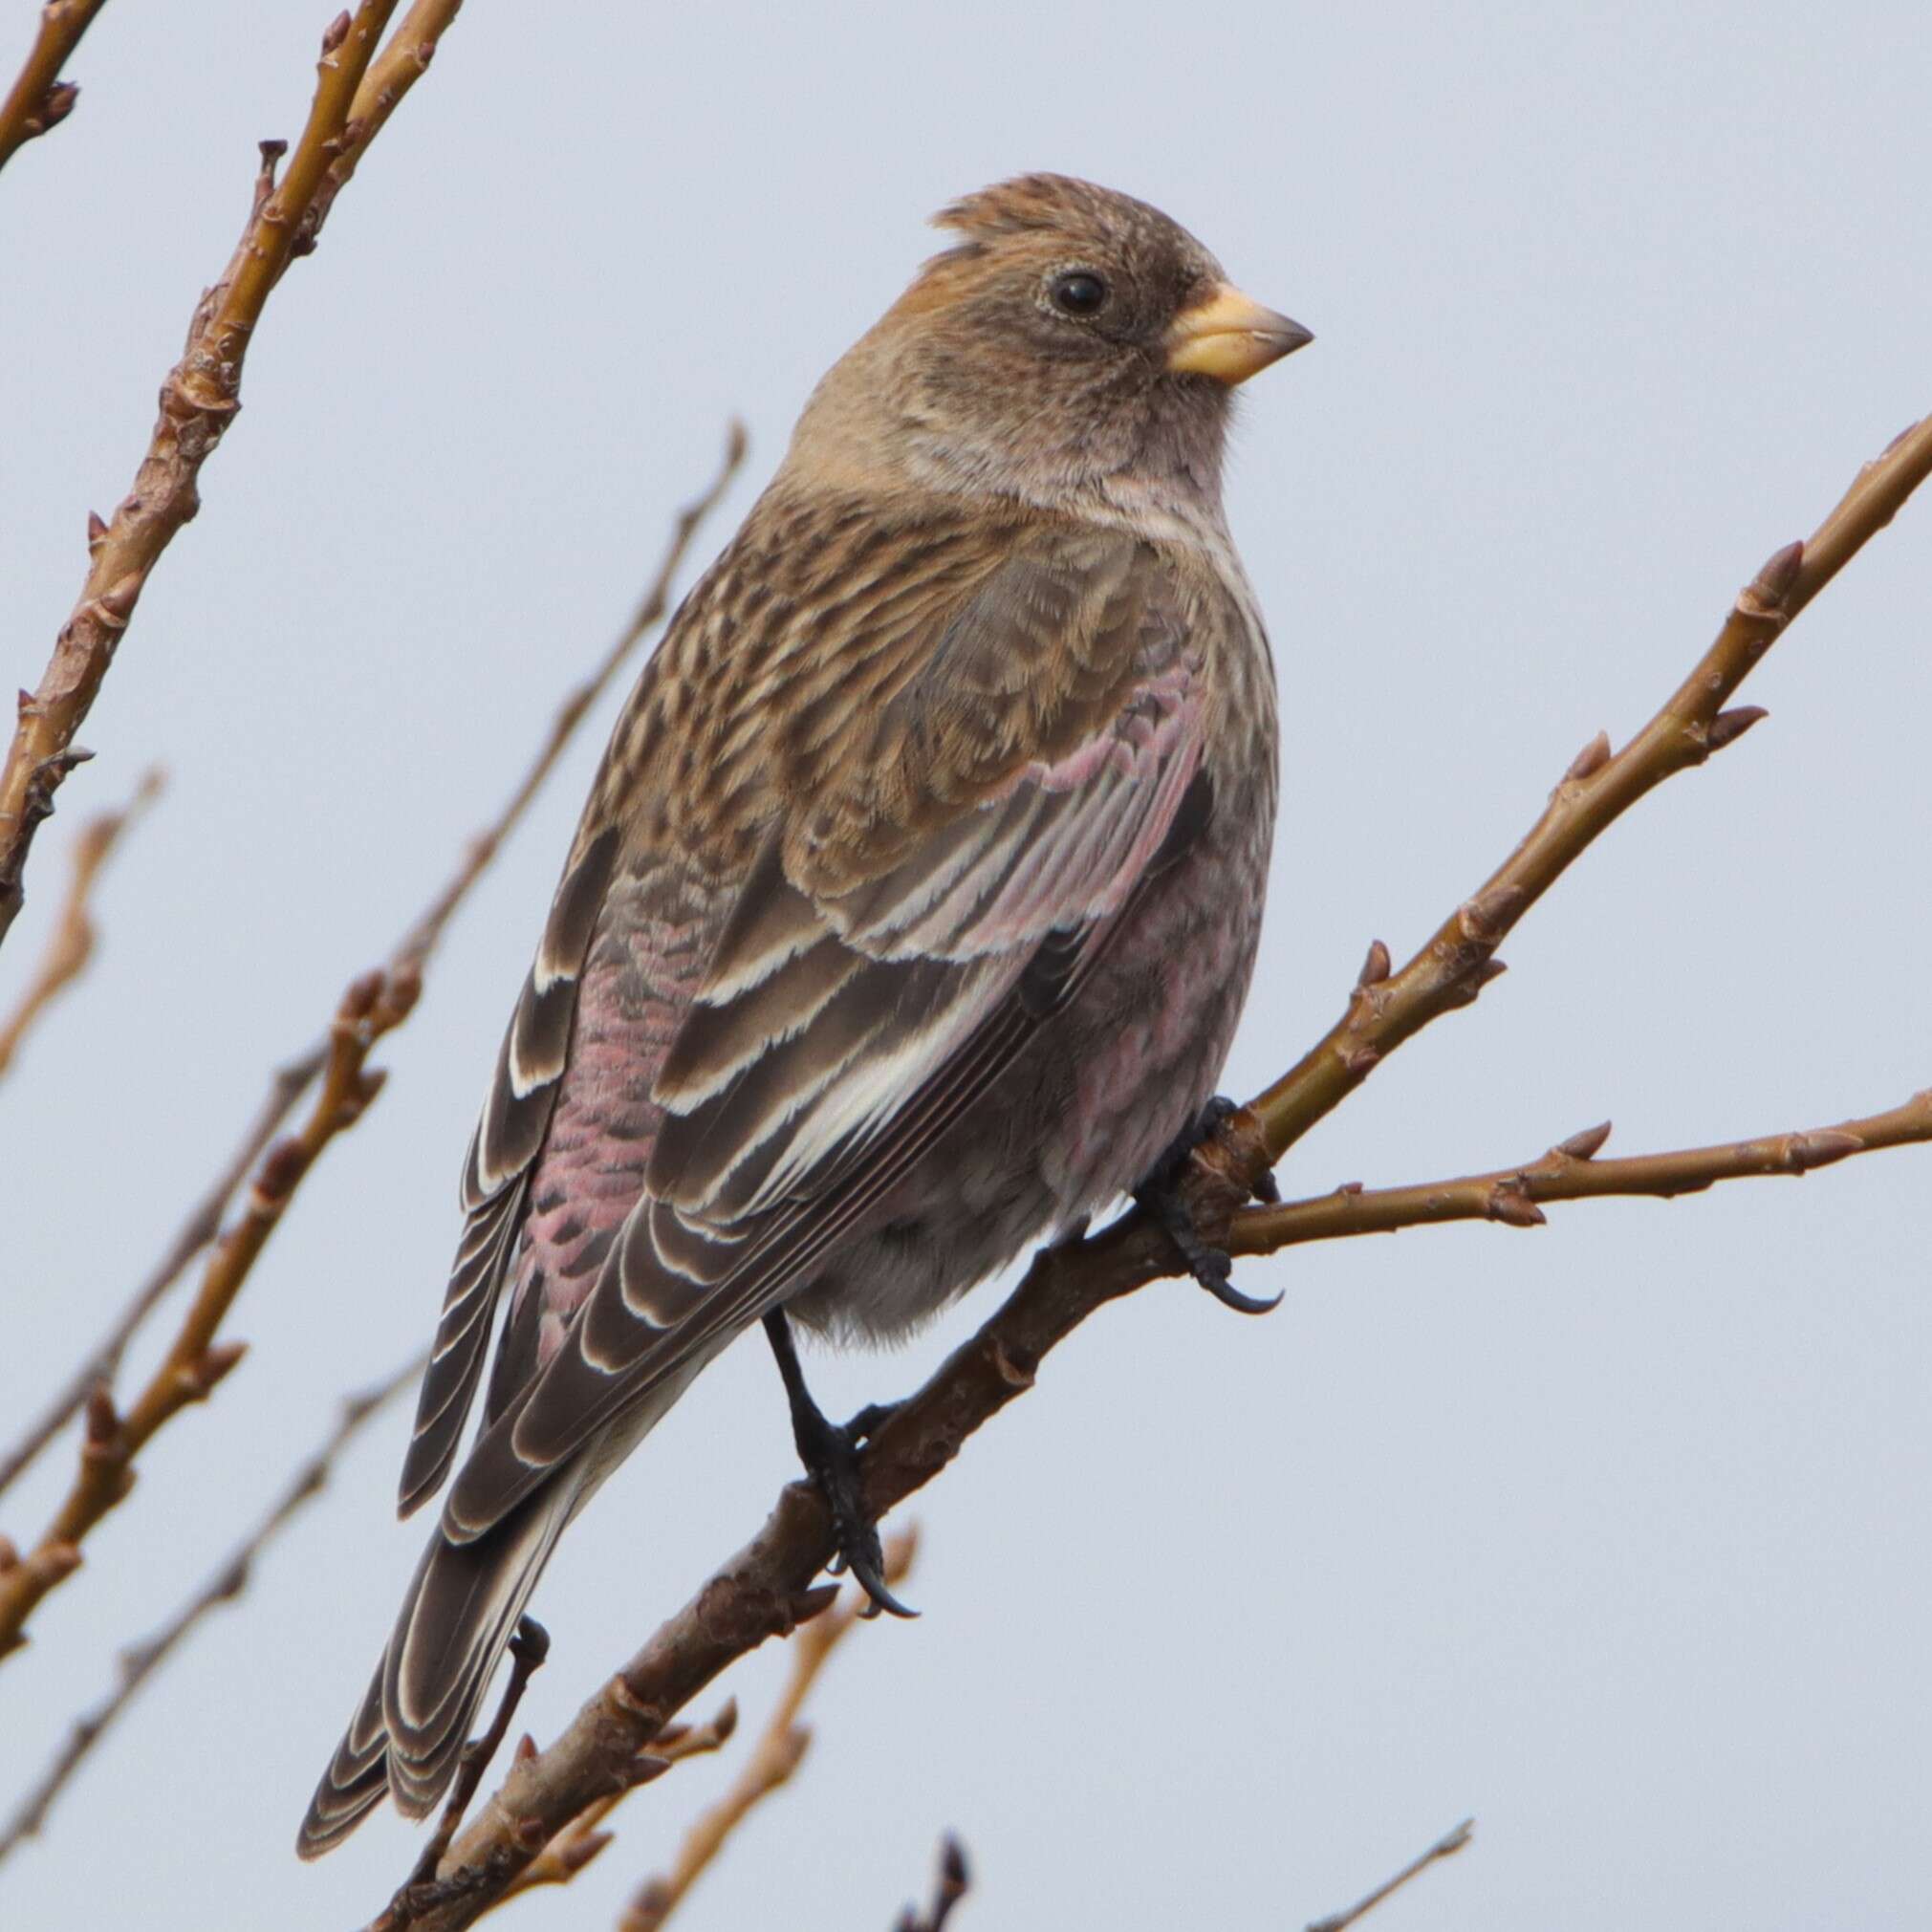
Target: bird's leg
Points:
(1161, 1200)
(830, 1454)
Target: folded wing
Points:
(930, 890)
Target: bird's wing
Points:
(937, 887)
(517, 1117)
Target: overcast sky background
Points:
(1613, 1534)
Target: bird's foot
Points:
(830, 1454)
(1161, 1197)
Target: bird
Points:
(907, 922)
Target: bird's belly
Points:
(1081, 1117)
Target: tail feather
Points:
(355, 1780)
(409, 1730)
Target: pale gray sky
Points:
(1613, 1534)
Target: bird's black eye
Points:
(1079, 292)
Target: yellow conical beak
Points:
(1231, 336)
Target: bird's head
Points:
(1074, 340)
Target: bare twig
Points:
(764, 1590)
(72, 944)
(528, 1648)
(1599, 787)
(230, 1578)
(953, 1882)
(195, 1361)
(583, 1838)
(760, 1592)
(413, 949)
(775, 1757)
(200, 398)
(1445, 1847)
(1570, 1171)
(39, 98)
(780, 1749)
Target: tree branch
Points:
(1459, 958)
(412, 951)
(777, 1754)
(953, 1882)
(71, 945)
(200, 398)
(763, 1591)
(228, 1581)
(583, 1839)
(39, 98)
(1570, 1171)
(1445, 1847)
(195, 1362)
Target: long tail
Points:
(409, 1730)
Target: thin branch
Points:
(583, 1838)
(764, 1590)
(761, 1592)
(200, 398)
(953, 1882)
(1570, 1171)
(413, 950)
(226, 1583)
(39, 98)
(1599, 787)
(775, 1757)
(529, 1650)
(71, 945)
(780, 1749)
(195, 1362)
(1445, 1847)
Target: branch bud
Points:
(1819, 1150)
(103, 1424)
(1591, 760)
(1587, 1145)
(1766, 594)
(56, 104)
(275, 1180)
(115, 605)
(1510, 1205)
(217, 1362)
(1490, 914)
(577, 1853)
(359, 996)
(1728, 726)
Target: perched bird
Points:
(908, 920)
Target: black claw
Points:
(869, 1420)
(1161, 1197)
(830, 1454)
